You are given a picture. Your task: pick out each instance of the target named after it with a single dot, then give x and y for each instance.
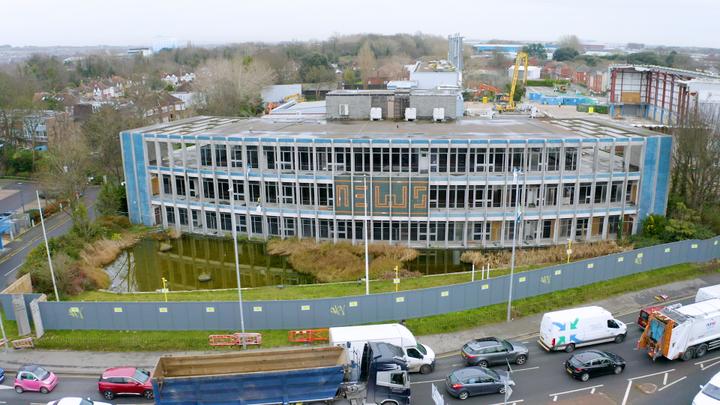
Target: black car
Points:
(470, 381)
(592, 363)
(488, 351)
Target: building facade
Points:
(422, 184)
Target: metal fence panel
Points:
(300, 314)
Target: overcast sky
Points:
(141, 22)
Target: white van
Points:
(420, 358)
(577, 327)
(707, 293)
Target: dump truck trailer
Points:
(284, 377)
(683, 332)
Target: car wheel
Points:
(482, 363)
(520, 360)
(570, 348)
(618, 370)
(425, 369)
(584, 377)
(701, 350)
(18, 389)
(619, 338)
(148, 394)
(109, 395)
(43, 390)
(463, 395)
(688, 355)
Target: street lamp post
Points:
(365, 236)
(47, 247)
(515, 233)
(237, 262)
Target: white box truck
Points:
(707, 293)
(577, 327)
(683, 332)
(419, 357)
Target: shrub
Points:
(537, 256)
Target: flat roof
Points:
(506, 128)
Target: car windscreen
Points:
(421, 348)
(490, 372)
(713, 391)
(41, 373)
(453, 379)
(140, 376)
(507, 345)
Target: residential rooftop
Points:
(504, 129)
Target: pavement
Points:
(85, 363)
(14, 253)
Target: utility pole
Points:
(365, 236)
(47, 247)
(231, 189)
(515, 233)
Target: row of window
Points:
(534, 195)
(440, 196)
(389, 230)
(397, 160)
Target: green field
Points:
(197, 340)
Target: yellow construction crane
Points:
(522, 57)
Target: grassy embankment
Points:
(197, 340)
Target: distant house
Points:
(167, 108)
(139, 51)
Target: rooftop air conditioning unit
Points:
(438, 114)
(344, 110)
(375, 114)
(410, 114)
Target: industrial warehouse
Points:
(425, 180)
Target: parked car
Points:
(2, 375)
(644, 315)
(125, 381)
(35, 378)
(470, 381)
(76, 401)
(709, 393)
(488, 351)
(593, 363)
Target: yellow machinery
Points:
(508, 106)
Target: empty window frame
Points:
(481, 231)
(287, 158)
(170, 214)
(585, 197)
(254, 191)
(271, 192)
(535, 159)
(306, 158)
(273, 226)
(223, 189)
(551, 194)
(236, 156)
(600, 193)
(208, 188)
(167, 184)
(269, 154)
(553, 159)
(324, 158)
(307, 194)
(180, 185)
(252, 157)
(571, 159)
(220, 156)
(256, 224)
(288, 193)
(456, 196)
(343, 160)
(438, 196)
(565, 228)
(238, 190)
(568, 195)
(581, 227)
(226, 221)
(616, 192)
(325, 195)
(206, 155)
(290, 227)
(210, 220)
(362, 159)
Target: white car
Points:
(709, 393)
(76, 401)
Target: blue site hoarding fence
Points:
(317, 313)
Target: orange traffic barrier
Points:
(236, 339)
(308, 335)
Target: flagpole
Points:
(515, 234)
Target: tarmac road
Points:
(543, 380)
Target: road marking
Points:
(525, 369)
(704, 367)
(428, 381)
(511, 402)
(630, 323)
(630, 380)
(676, 381)
(5, 387)
(13, 270)
(456, 365)
(665, 379)
(592, 391)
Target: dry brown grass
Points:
(538, 256)
(341, 261)
(97, 255)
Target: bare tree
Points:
(232, 87)
(67, 162)
(570, 41)
(696, 159)
(367, 63)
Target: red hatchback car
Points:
(125, 381)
